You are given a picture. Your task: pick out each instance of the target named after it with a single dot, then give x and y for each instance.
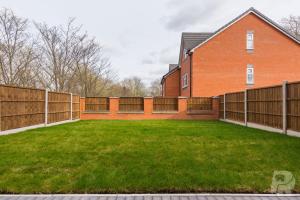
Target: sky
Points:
(141, 37)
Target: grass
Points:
(145, 156)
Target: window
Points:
(250, 74)
(185, 53)
(185, 81)
(250, 40)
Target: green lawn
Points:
(145, 156)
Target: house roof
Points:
(169, 73)
(190, 40)
(172, 66)
(258, 14)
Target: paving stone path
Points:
(153, 197)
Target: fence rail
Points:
(235, 106)
(165, 104)
(198, 104)
(293, 106)
(59, 107)
(221, 106)
(25, 107)
(265, 106)
(96, 104)
(131, 104)
(75, 107)
(275, 106)
(21, 107)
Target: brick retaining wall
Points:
(149, 113)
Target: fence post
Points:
(246, 107)
(46, 107)
(284, 107)
(225, 106)
(71, 114)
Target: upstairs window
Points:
(250, 40)
(185, 80)
(250, 75)
(185, 53)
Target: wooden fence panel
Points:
(265, 106)
(235, 107)
(75, 107)
(196, 104)
(21, 107)
(165, 104)
(293, 106)
(131, 104)
(96, 104)
(221, 107)
(59, 107)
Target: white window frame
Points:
(250, 73)
(185, 53)
(185, 80)
(250, 40)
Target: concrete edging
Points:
(265, 128)
(17, 130)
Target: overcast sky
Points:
(141, 37)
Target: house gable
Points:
(220, 65)
(259, 15)
(189, 41)
(170, 83)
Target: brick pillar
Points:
(182, 104)
(82, 104)
(148, 105)
(114, 105)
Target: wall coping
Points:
(130, 112)
(165, 112)
(96, 112)
(181, 97)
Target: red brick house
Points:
(250, 51)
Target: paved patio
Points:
(154, 197)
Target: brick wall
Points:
(219, 66)
(171, 84)
(148, 112)
(185, 69)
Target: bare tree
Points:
(292, 25)
(92, 68)
(58, 47)
(155, 88)
(133, 87)
(17, 55)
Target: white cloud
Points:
(143, 37)
(188, 13)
